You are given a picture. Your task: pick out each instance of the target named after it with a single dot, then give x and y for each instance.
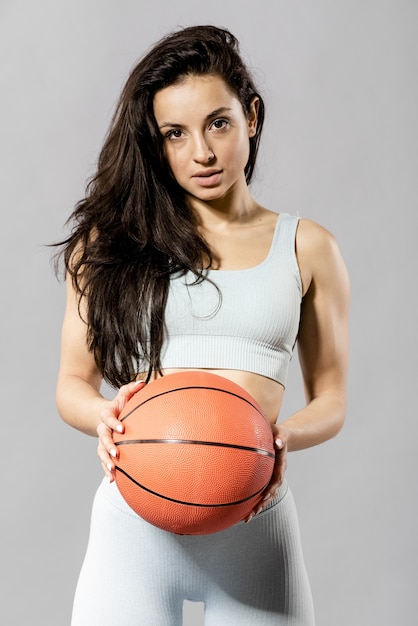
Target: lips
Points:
(207, 178)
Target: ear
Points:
(253, 116)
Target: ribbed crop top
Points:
(250, 323)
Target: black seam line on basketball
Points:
(208, 506)
(163, 393)
(198, 442)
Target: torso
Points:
(241, 247)
(267, 392)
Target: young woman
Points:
(172, 265)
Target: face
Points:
(205, 135)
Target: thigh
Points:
(258, 575)
(126, 577)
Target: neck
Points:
(233, 209)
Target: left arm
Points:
(322, 341)
(322, 347)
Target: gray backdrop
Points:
(340, 147)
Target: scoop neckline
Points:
(263, 262)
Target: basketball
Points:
(196, 454)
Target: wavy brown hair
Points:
(134, 228)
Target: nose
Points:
(203, 153)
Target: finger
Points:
(278, 474)
(108, 473)
(106, 448)
(126, 392)
(276, 480)
(272, 489)
(106, 461)
(110, 420)
(270, 495)
(279, 443)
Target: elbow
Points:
(339, 416)
(339, 425)
(64, 399)
(60, 404)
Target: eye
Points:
(174, 134)
(219, 124)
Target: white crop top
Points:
(250, 323)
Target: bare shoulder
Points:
(319, 256)
(313, 238)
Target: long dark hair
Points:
(134, 228)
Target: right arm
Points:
(78, 396)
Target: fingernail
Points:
(119, 428)
(112, 452)
(266, 497)
(247, 521)
(279, 443)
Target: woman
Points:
(173, 265)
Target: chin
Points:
(208, 195)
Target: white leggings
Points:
(135, 574)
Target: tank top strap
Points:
(284, 241)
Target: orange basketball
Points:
(196, 454)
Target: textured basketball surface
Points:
(196, 454)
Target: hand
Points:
(106, 449)
(279, 470)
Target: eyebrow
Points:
(208, 117)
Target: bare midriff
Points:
(267, 392)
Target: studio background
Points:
(340, 147)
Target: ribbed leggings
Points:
(135, 574)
